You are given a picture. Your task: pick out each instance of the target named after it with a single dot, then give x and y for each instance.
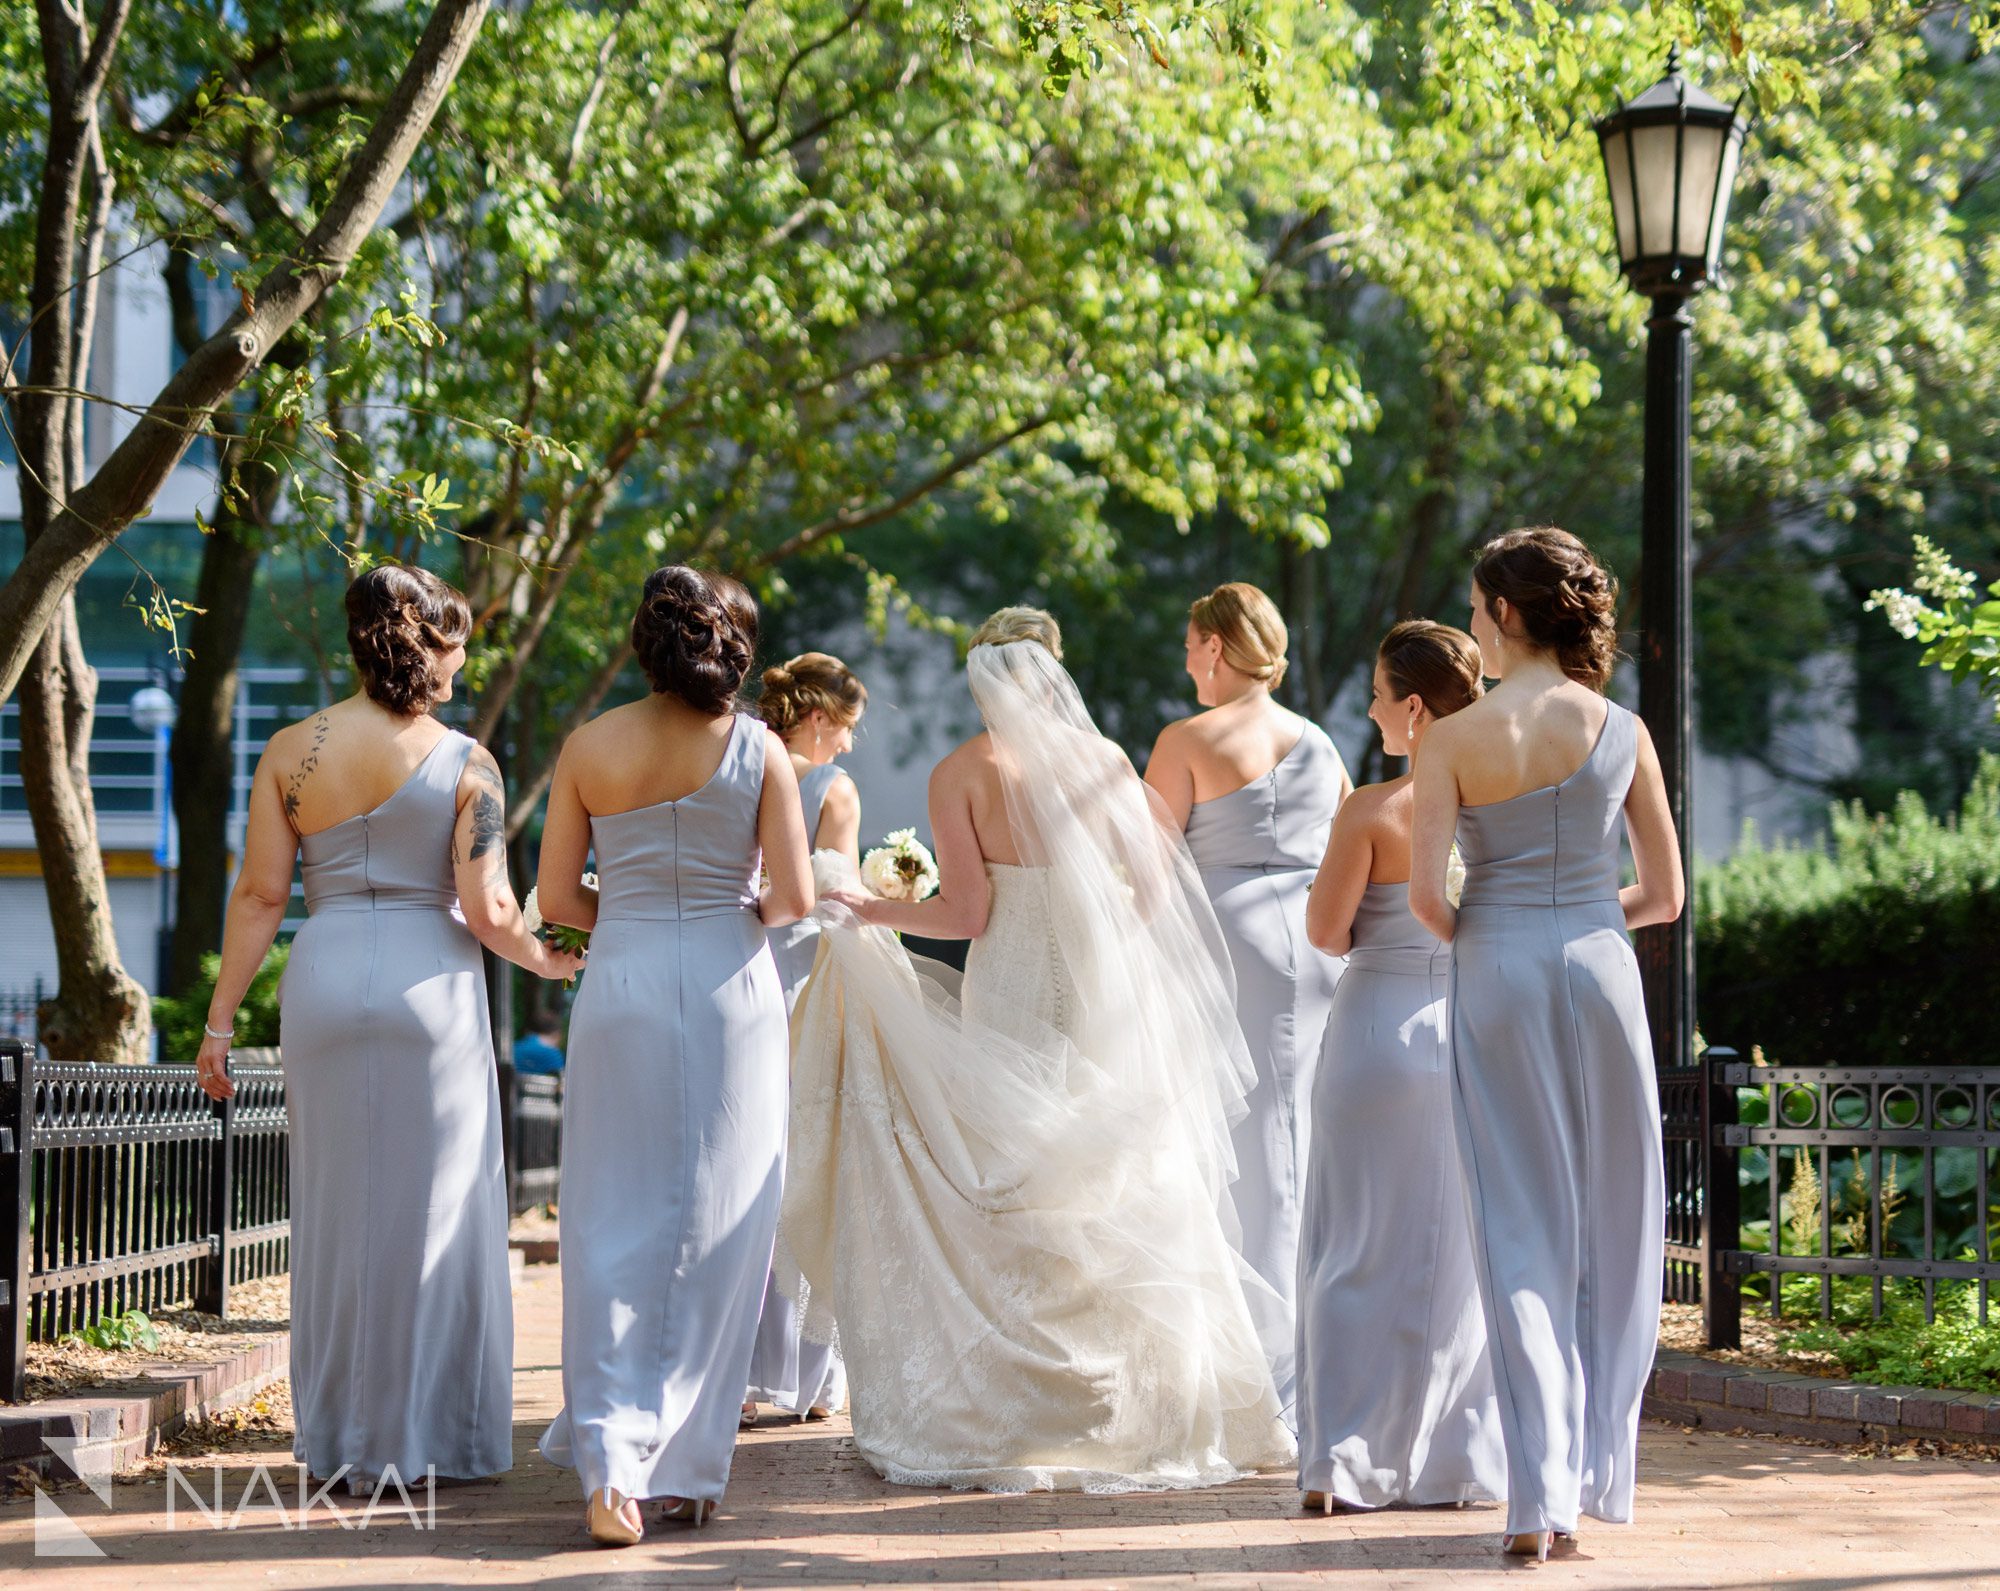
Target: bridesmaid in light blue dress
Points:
(1396, 1397)
(674, 1098)
(814, 704)
(402, 1328)
(1256, 788)
(1554, 1098)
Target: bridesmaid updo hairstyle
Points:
(811, 682)
(1423, 658)
(1567, 600)
(1254, 638)
(1019, 624)
(400, 621)
(695, 634)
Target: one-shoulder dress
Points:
(1395, 1384)
(788, 1368)
(402, 1351)
(1258, 848)
(1558, 1120)
(673, 1142)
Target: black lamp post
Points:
(1671, 159)
(1670, 156)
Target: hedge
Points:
(1878, 945)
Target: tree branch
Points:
(528, 794)
(125, 485)
(852, 519)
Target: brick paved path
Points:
(804, 1509)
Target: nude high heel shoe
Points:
(1528, 1544)
(688, 1510)
(605, 1517)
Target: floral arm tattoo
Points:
(489, 819)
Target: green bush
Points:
(180, 1018)
(1880, 945)
(1902, 1349)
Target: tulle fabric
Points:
(1017, 1204)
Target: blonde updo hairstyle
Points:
(1253, 634)
(809, 683)
(1020, 624)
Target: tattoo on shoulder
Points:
(483, 768)
(489, 825)
(306, 768)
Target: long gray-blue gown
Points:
(1258, 848)
(673, 1141)
(1395, 1384)
(788, 1368)
(1558, 1123)
(402, 1323)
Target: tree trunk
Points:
(98, 511)
(202, 752)
(98, 1013)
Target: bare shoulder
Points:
(481, 766)
(1447, 736)
(296, 740)
(1174, 737)
(841, 787)
(965, 761)
(1373, 805)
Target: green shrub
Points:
(1902, 1349)
(1880, 945)
(180, 1018)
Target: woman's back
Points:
(1278, 819)
(398, 851)
(1554, 844)
(684, 856)
(1516, 742)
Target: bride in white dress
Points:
(1014, 1196)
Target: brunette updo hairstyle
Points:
(1008, 625)
(400, 621)
(811, 682)
(1567, 600)
(1253, 632)
(695, 634)
(1421, 657)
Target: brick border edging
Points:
(129, 1424)
(1692, 1390)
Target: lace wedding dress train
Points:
(1012, 1194)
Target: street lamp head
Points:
(152, 710)
(1670, 157)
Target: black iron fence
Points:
(1787, 1179)
(129, 1188)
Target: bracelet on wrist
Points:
(226, 1033)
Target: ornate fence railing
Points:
(129, 1188)
(1881, 1172)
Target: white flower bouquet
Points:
(559, 935)
(1454, 876)
(901, 868)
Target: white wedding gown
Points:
(1015, 1207)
